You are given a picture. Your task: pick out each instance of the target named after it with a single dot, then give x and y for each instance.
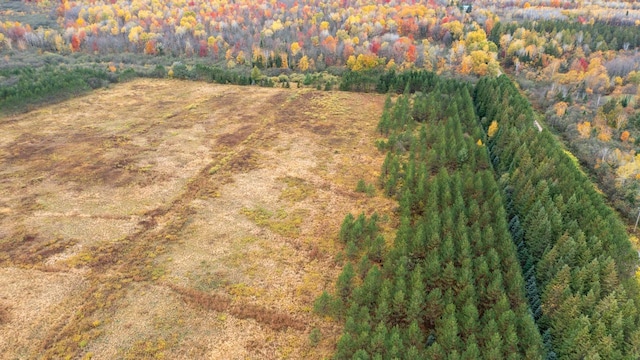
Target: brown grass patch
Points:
(245, 161)
(5, 316)
(235, 138)
(221, 303)
(24, 248)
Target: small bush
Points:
(315, 336)
(365, 188)
(180, 71)
(322, 305)
(158, 72)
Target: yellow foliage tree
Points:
(295, 48)
(455, 28)
(493, 129)
(303, 64)
(391, 65)
(277, 25)
(604, 134)
(629, 169)
(240, 58)
(476, 40)
(351, 62)
(483, 63)
(584, 129)
(561, 108)
(362, 62)
(466, 65)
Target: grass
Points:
(280, 222)
(297, 189)
(27, 13)
(222, 219)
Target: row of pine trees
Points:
(574, 251)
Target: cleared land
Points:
(179, 220)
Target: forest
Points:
(510, 132)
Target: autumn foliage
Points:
(624, 136)
(276, 34)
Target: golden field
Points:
(170, 219)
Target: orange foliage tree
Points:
(624, 136)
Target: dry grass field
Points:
(180, 220)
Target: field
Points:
(175, 219)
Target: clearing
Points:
(176, 219)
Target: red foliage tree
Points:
(203, 49)
(375, 47)
(411, 53)
(75, 43)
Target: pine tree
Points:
(395, 344)
(346, 347)
(346, 232)
(344, 285)
(415, 337)
(377, 249)
(435, 352)
(539, 234)
(417, 298)
(434, 302)
(447, 329)
(383, 311)
(378, 340)
(608, 276)
(469, 319)
(472, 351)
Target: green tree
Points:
(256, 75)
(447, 329)
(344, 285)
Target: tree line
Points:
(25, 85)
(598, 36)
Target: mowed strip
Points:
(165, 207)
